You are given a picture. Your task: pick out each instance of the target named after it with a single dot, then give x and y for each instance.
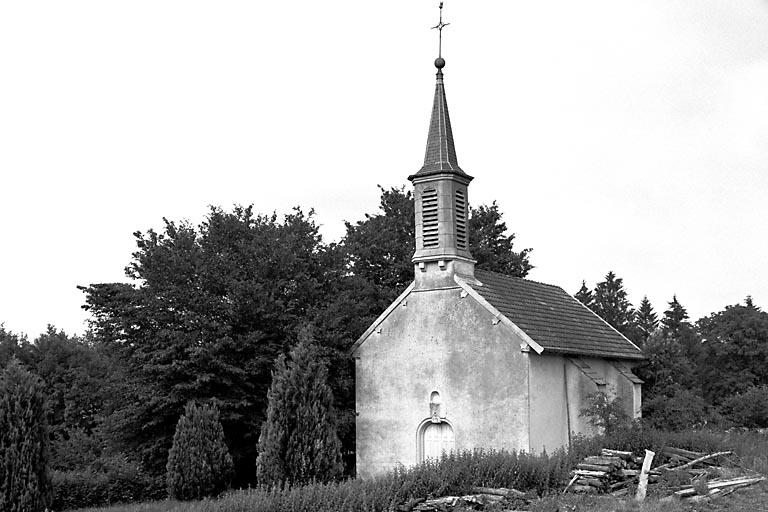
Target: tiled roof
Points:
(440, 156)
(552, 318)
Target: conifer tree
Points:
(584, 295)
(674, 318)
(611, 304)
(675, 326)
(646, 320)
(199, 463)
(24, 480)
(299, 441)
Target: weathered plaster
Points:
(549, 411)
(437, 340)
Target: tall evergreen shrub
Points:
(25, 484)
(199, 463)
(299, 442)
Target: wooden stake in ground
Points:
(643, 484)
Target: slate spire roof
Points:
(440, 156)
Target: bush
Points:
(25, 484)
(299, 442)
(678, 409)
(106, 481)
(605, 413)
(748, 409)
(199, 463)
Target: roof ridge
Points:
(520, 278)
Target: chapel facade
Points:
(466, 358)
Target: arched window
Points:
(435, 439)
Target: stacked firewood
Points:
(608, 472)
(613, 471)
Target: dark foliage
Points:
(605, 412)
(646, 321)
(611, 304)
(25, 484)
(199, 464)
(584, 295)
(209, 311)
(105, 481)
(299, 441)
(747, 409)
(492, 247)
(735, 351)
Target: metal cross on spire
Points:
(439, 28)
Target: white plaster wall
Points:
(438, 341)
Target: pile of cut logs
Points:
(610, 471)
(613, 471)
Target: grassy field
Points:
(752, 499)
(750, 455)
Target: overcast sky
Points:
(615, 135)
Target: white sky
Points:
(615, 135)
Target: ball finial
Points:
(439, 63)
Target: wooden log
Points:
(408, 506)
(629, 472)
(594, 482)
(643, 482)
(679, 452)
(584, 472)
(603, 461)
(588, 489)
(573, 480)
(720, 484)
(594, 467)
(700, 459)
(500, 491)
(616, 453)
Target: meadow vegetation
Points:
(543, 477)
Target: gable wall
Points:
(438, 341)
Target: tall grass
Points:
(457, 473)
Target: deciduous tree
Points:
(207, 313)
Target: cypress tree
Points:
(299, 441)
(199, 463)
(25, 484)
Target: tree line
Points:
(711, 371)
(212, 311)
(207, 313)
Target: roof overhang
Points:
(498, 314)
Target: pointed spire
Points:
(440, 157)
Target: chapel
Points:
(465, 358)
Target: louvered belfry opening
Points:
(461, 220)
(429, 218)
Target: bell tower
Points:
(441, 199)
